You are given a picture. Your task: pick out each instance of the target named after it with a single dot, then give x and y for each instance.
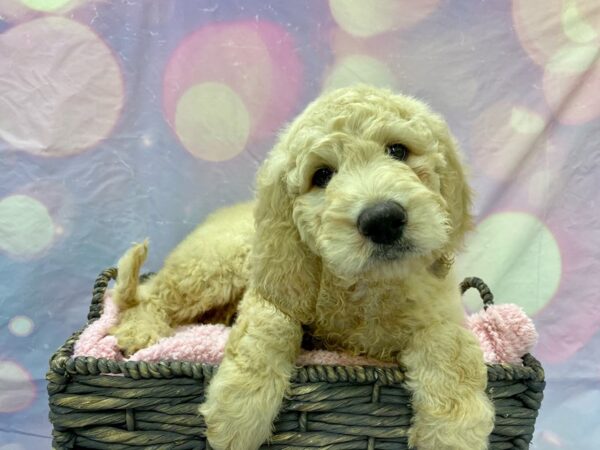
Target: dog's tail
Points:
(125, 294)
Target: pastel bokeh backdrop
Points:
(126, 119)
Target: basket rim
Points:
(63, 365)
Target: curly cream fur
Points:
(305, 263)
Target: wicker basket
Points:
(105, 404)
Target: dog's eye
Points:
(322, 176)
(398, 151)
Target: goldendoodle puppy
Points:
(360, 208)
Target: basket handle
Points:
(484, 290)
(98, 293)
(100, 286)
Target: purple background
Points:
(126, 119)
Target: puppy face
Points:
(374, 182)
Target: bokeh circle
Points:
(66, 87)
(256, 75)
(564, 38)
(26, 227)
(21, 326)
(370, 18)
(504, 136)
(359, 68)
(47, 5)
(212, 121)
(17, 390)
(517, 256)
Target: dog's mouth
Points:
(392, 252)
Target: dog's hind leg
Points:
(140, 324)
(203, 279)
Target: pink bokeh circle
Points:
(543, 31)
(254, 63)
(564, 38)
(574, 94)
(572, 318)
(11, 11)
(17, 390)
(509, 139)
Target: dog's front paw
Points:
(226, 433)
(237, 417)
(246, 393)
(457, 424)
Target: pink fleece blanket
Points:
(505, 334)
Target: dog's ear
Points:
(283, 270)
(454, 186)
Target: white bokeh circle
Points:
(359, 68)
(517, 256)
(48, 5)
(363, 18)
(212, 121)
(26, 227)
(20, 326)
(66, 87)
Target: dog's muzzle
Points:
(383, 223)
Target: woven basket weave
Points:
(154, 405)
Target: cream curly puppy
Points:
(360, 208)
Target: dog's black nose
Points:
(382, 223)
